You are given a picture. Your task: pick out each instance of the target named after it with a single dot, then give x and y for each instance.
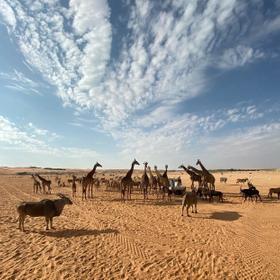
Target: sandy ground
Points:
(104, 238)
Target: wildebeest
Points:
(189, 200)
(218, 194)
(251, 192)
(274, 190)
(223, 179)
(241, 180)
(45, 208)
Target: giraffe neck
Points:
(130, 171)
(186, 169)
(190, 172)
(165, 173)
(196, 170)
(42, 179)
(91, 173)
(145, 170)
(150, 172)
(158, 174)
(202, 167)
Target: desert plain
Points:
(105, 238)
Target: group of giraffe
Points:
(159, 183)
(203, 177)
(37, 181)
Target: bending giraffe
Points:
(45, 183)
(36, 184)
(127, 182)
(152, 180)
(207, 176)
(193, 176)
(87, 182)
(163, 182)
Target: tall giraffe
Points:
(152, 179)
(207, 176)
(87, 182)
(193, 176)
(127, 182)
(74, 186)
(145, 181)
(36, 184)
(163, 182)
(45, 183)
(197, 171)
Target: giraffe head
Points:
(155, 167)
(166, 167)
(97, 165)
(145, 164)
(135, 162)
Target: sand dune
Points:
(106, 239)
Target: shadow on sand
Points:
(67, 233)
(225, 216)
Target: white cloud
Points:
(162, 60)
(36, 141)
(164, 134)
(16, 80)
(7, 14)
(253, 147)
(239, 56)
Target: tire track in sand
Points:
(124, 243)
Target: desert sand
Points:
(104, 238)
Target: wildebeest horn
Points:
(61, 195)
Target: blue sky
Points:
(161, 81)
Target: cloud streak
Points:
(34, 140)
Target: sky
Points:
(165, 82)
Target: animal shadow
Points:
(225, 216)
(68, 233)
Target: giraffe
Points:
(207, 176)
(163, 182)
(36, 184)
(87, 182)
(74, 186)
(127, 182)
(167, 184)
(153, 180)
(45, 183)
(145, 181)
(193, 176)
(197, 171)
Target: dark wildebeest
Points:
(251, 192)
(45, 208)
(241, 180)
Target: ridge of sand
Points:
(106, 239)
